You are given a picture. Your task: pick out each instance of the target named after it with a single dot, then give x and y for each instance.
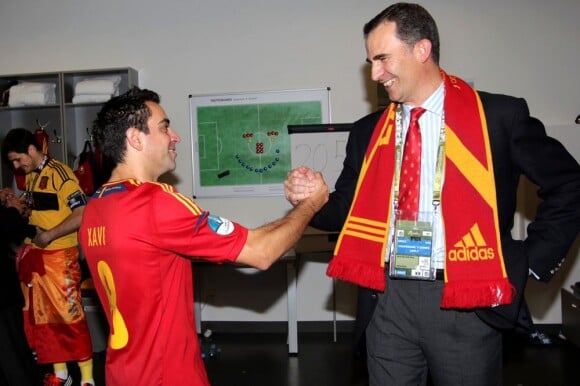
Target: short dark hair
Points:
(119, 114)
(18, 140)
(413, 24)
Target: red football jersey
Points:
(135, 237)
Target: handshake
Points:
(303, 184)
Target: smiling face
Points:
(394, 64)
(26, 162)
(159, 145)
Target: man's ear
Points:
(422, 50)
(133, 136)
(31, 150)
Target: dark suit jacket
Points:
(13, 230)
(519, 146)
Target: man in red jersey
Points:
(136, 233)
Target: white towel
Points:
(91, 98)
(28, 87)
(98, 86)
(32, 94)
(32, 99)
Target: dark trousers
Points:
(409, 337)
(17, 366)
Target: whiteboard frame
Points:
(335, 133)
(321, 95)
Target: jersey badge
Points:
(220, 225)
(43, 183)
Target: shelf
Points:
(65, 121)
(35, 107)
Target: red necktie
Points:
(411, 169)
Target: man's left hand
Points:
(42, 238)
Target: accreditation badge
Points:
(411, 255)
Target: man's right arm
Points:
(269, 242)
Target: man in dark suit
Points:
(475, 148)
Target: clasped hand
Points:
(302, 183)
(9, 200)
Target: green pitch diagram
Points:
(249, 144)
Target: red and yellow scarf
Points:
(475, 274)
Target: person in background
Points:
(138, 235)
(17, 365)
(427, 227)
(55, 322)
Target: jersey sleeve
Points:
(67, 185)
(183, 227)
(73, 194)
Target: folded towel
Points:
(91, 98)
(32, 99)
(116, 79)
(98, 86)
(32, 87)
(32, 94)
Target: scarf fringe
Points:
(354, 271)
(476, 294)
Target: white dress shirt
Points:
(430, 123)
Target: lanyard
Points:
(438, 181)
(30, 187)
